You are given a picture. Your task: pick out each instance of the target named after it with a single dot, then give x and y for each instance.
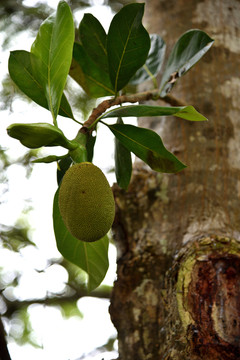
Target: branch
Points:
(103, 292)
(171, 100)
(133, 98)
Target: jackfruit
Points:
(86, 202)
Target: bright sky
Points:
(60, 339)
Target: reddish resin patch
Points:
(214, 304)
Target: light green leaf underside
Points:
(53, 47)
(184, 112)
(153, 63)
(36, 135)
(188, 50)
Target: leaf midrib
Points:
(27, 71)
(99, 84)
(133, 140)
(123, 54)
(49, 73)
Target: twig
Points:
(133, 98)
(171, 100)
(103, 292)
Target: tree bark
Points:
(4, 353)
(177, 294)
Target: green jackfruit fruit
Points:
(86, 202)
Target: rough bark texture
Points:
(177, 295)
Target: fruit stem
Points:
(79, 154)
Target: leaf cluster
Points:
(102, 64)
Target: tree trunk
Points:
(177, 295)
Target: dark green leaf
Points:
(184, 112)
(63, 165)
(189, 48)
(53, 47)
(90, 146)
(21, 71)
(91, 257)
(123, 163)
(128, 44)
(148, 146)
(89, 75)
(39, 134)
(94, 38)
(154, 61)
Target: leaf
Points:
(90, 146)
(63, 166)
(39, 134)
(70, 309)
(184, 112)
(47, 159)
(94, 80)
(94, 38)
(128, 44)
(21, 71)
(53, 47)
(189, 48)
(123, 162)
(148, 146)
(90, 257)
(153, 63)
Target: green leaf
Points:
(90, 257)
(123, 162)
(70, 308)
(53, 47)
(189, 48)
(20, 66)
(63, 166)
(48, 159)
(94, 38)
(148, 146)
(153, 63)
(90, 146)
(128, 44)
(92, 78)
(39, 134)
(184, 112)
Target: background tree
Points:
(177, 292)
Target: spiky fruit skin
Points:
(86, 202)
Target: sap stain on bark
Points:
(209, 305)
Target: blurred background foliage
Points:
(16, 17)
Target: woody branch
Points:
(133, 98)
